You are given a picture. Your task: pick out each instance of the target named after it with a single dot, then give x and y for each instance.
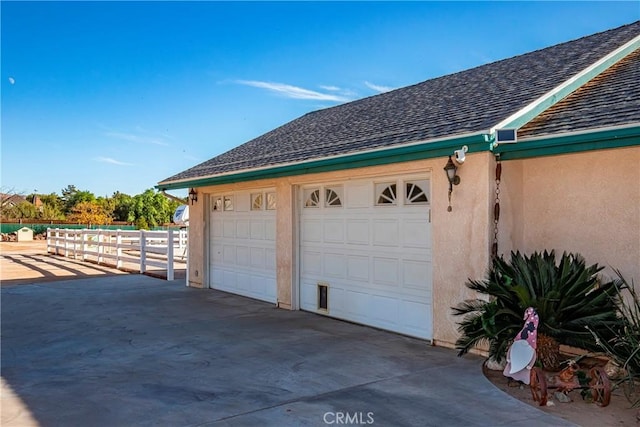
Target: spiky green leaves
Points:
(568, 296)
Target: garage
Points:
(242, 256)
(365, 252)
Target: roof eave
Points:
(477, 141)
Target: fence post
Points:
(143, 249)
(118, 249)
(66, 243)
(170, 254)
(57, 241)
(48, 239)
(83, 243)
(100, 247)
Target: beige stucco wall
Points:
(586, 202)
(461, 238)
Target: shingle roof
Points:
(610, 99)
(456, 104)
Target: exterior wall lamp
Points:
(454, 179)
(193, 195)
(451, 169)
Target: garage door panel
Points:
(308, 295)
(335, 265)
(243, 281)
(257, 229)
(257, 257)
(333, 231)
(270, 259)
(229, 279)
(242, 202)
(416, 274)
(385, 271)
(386, 232)
(242, 229)
(416, 315)
(216, 228)
(358, 231)
(270, 230)
(358, 195)
(312, 230)
(229, 228)
(358, 268)
(416, 233)
(229, 254)
(311, 263)
(242, 256)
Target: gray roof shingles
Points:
(455, 104)
(610, 99)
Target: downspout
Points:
(174, 198)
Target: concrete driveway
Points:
(135, 351)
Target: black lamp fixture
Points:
(454, 179)
(193, 195)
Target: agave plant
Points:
(624, 347)
(568, 296)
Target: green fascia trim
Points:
(558, 96)
(554, 145)
(476, 143)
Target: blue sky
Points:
(116, 96)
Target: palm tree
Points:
(568, 296)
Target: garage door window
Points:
(311, 198)
(271, 201)
(256, 201)
(333, 197)
(386, 194)
(416, 192)
(228, 203)
(217, 204)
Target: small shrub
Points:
(567, 295)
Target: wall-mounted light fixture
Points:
(453, 178)
(193, 195)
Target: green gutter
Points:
(476, 143)
(573, 143)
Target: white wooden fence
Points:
(123, 249)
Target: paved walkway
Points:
(136, 351)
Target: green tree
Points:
(123, 204)
(50, 212)
(155, 208)
(51, 199)
(107, 204)
(71, 196)
(23, 210)
(51, 208)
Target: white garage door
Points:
(242, 257)
(366, 253)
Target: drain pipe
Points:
(174, 198)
